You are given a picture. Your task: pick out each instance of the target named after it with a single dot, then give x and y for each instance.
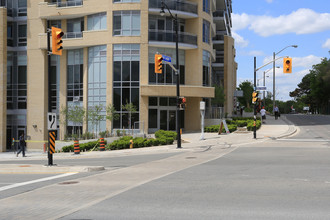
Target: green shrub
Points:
(241, 123)
(67, 148)
(250, 125)
(162, 133)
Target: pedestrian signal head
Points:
(57, 42)
(158, 63)
(287, 65)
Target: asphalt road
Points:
(275, 179)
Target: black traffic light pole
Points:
(50, 156)
(178, 117)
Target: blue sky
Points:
(261, 27)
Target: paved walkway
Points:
(271, 129)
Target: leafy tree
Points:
(131, 109)
(76, 114)
(95, 116)
(314, 88)
(111, 114)
(247, 88)
(219, 96)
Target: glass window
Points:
(126, 23)
(22, 33)
(206, 6)
(97, 78)
(206, 31)
(126, 82)
(75, 76)
(97, 21)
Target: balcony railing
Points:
(219, 13)
(169, 36)
(73, 35)
(175, 5)
(218, 37)
(68, 3)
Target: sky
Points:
(261, 27)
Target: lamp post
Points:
(274, 55)
(265, 82)
(175, 19)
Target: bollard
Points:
(76, 147)
(102, 145)
(44, 148)
(131, 144)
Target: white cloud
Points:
(269, 1)
(326, 44)
(241, 21)
(302, 21)
(239, 40)
(256, 53)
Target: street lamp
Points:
(175, 19)
(274, 54)
(265, 82)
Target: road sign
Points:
(51, 121)
(51, 141)
(261, 88)
(166, 58)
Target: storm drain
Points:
(68, 182)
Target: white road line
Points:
(36, 181)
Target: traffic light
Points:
(182, 102)
(57, 35)
(287, 65)
(254, 97)
(158, 63)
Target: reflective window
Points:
(97, 21)
(126, 77)
(126, 23)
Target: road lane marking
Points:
(36, 181)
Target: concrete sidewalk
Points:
(271, 129)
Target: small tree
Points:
(130, 108)
(76, 114)
(111, 115)
(95, 117)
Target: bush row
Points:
(162, 138)
(234, 123)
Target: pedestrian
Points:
(21, 145)
(276, 112)
(263, 114)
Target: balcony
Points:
(183, 9)
(70, 9)
(68, 3)
(161, 38)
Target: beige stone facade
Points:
(41, 11)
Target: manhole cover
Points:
(68, 182)
(24, 165)
(190, 157)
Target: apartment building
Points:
(108, 59)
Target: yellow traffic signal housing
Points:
(287, 65)
(158, 63)
(254, 97)
(57, 35)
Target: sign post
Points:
(202, 109)
(51, 125)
